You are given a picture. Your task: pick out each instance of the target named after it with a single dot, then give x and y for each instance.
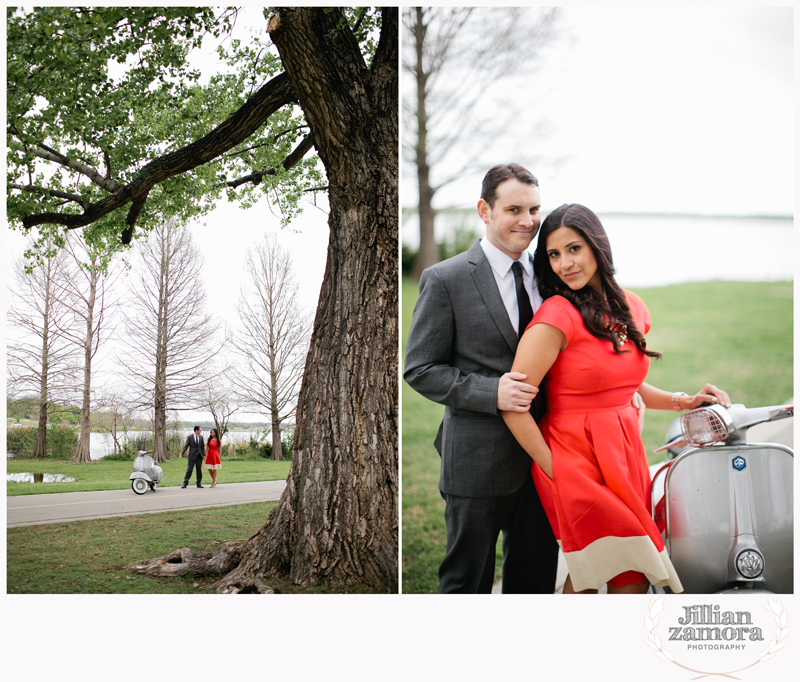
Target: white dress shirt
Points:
(501, 267)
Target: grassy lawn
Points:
(736, 335)
(109, 475)
(91, 557)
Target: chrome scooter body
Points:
(146, 473)
(726, 506)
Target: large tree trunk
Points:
(337, 521)
(83, 453)
(160, 384)
(40, 448)
(277, 450)
(428, 253)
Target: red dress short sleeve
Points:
(598, 500)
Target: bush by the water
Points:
(62, 441)
(145, 441)
(21, 439)
(121, 456)
(260, 445)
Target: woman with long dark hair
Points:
(213, 461)
(589, 466)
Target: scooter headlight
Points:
(706, 425)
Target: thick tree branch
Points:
(48, 154)
(292, 160)
(51, 192)
(386, 55)
(275, 138)
(269, 99)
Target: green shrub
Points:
(174, 443)
(122, 456)
(141, 441)
(288, 444)
(62, 441)
(407, 258)
(146, 441)
(20, 440)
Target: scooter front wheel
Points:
(139, 486)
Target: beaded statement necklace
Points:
(621, 332)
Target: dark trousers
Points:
(196, 461)
(530, 550)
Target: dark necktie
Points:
(523, 301)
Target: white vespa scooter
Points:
(146, 473)
(725, 507)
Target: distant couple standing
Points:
(499, 443)
(196, 447)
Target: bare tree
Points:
(457, 56)
(218, 400)
(113, 413)
(273, 337)
(170, 336)
(41, 363)
(84, 293)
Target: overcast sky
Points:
(660, 109)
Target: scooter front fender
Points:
(729, 505)
(140, 474)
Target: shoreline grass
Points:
(736, 335)
(114, 475)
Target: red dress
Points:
(598, 501)
(212, 456)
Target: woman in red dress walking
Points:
(213, 462)
(589, 466)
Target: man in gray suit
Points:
(197, 452)
(471, 311)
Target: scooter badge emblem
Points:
(749, 563)
(739, 463)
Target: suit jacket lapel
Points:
(483, 276)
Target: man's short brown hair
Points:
(501, 173)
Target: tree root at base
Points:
(184, 561)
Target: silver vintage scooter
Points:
(146, 473)
(725, 507)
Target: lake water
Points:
(657, 250)
(654, 251)
(101, 444)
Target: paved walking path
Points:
(33, 510)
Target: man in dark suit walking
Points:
(197, 453)
(471, 311)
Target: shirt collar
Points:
(501, 262)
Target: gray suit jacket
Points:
(460, 343)
(193, 448)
